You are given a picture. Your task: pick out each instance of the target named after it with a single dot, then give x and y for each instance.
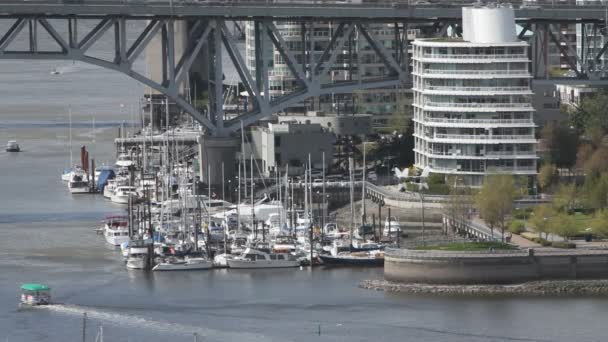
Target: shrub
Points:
(529, 235)
(541, 241)
(435, 178)
(517, 227)
(522, 214)
(438, 189)
(563, 244)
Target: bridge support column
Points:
(213, 152)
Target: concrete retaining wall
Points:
(438, 267)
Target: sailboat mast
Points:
(352, 199)
(252, 204)
(363, 211)
(310, 207)
(224, 211)
(323, 193)
(243, 158)
(238, 203)
(306, 193)
(70, 136)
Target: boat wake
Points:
(133, 321)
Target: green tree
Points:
(541, 219)
(398, 122)
(547, 176)
(591, 115)
(561, 142)
(595, 191)
(458, 203)
(584, 153)
(566, 197)
(599, 223)
(495, 200)
(597, 162)
(563, 225)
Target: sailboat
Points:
(69, 173)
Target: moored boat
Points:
(122, 193)
(78, 184)
(116, 230)
(371, 258)
(186, 264)
(253, 258)
(138, 255)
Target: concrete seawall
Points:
(442, 267)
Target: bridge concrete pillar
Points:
(213, 152)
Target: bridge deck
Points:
(380, 10)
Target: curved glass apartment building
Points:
(472, 100)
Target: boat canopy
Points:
(35, 287)
(104, 176)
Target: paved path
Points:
(523, 242)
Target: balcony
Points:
(473, 74)
(473, 123)
(490, 169)
(476, 90)
(477, 107)
(488, 155)
(480, 121)
(472, 56)
(483, 137)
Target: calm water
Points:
(47, 235)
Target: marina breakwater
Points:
(493, 267)
(533, 288)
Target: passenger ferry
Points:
(34, 295)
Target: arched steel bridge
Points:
(57, 21)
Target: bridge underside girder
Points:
(58, 37)
(213, 35)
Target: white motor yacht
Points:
(78, 184)
(122, 193)
(69, 173)
(138, 255)
(221, 260)
(108, 190)
(124, 160)
(284, 244)
(186, 264)
(253, 258)
(116, 230)
(391, 226)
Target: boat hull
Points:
(183, 266)
(79, 190)
(136, 263)
(330, 260)
(116, 240)
(246, 264)
(120, 199)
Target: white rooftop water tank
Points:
(488, 24)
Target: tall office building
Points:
(472, 100)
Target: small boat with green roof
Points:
(35, 294)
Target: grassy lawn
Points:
(467, 246)
(581, 220)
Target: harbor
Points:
(291, 171)
(175, 218)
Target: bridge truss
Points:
(37, 35)
(214, 35)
